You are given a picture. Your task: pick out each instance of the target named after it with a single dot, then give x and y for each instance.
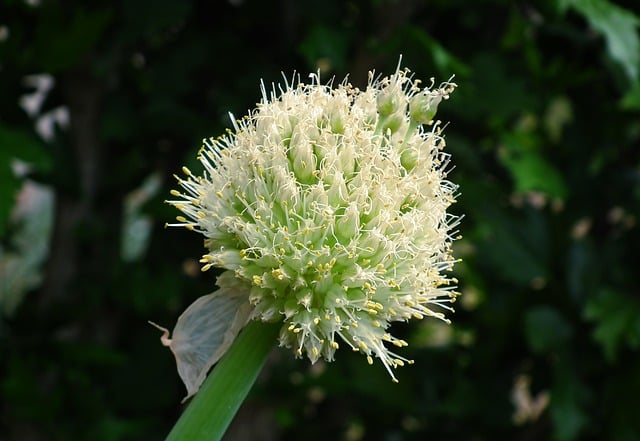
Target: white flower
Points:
(328, 206)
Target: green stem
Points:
(214, 406)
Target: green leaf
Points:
(445, 62)
(20, 144)
(492, 93)
(530, 171)
(567, 402)
(9, 186)
(618, 27)
(617, 321)
(16, 144)
(514, 247)
(631, 100)
(546, 329)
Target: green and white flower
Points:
(327, 209)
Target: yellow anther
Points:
(369, 359)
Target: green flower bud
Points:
(423, 107)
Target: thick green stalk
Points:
(214, 406)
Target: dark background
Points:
(545, 136)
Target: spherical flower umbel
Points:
(327, 208)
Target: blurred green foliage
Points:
(545, 136)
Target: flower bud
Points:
(423, 107)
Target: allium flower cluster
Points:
(327, 209)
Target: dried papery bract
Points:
(327, 207)
(204, 332)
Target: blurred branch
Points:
(82, 94)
